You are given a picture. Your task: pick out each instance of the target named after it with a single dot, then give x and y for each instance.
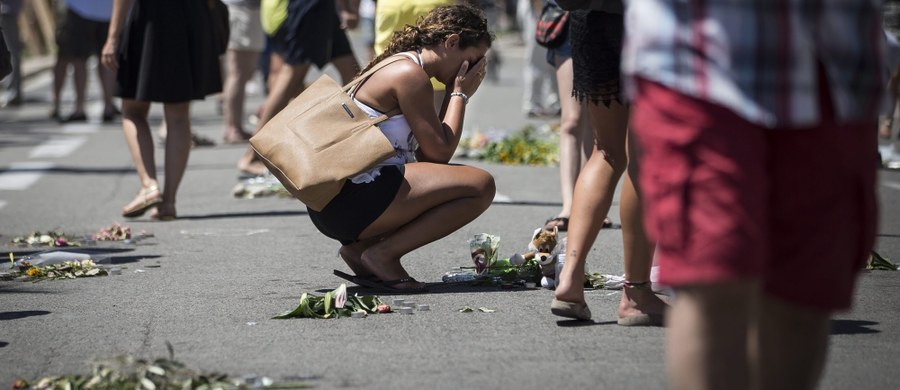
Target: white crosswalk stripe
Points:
(20, 176)
(57, 147)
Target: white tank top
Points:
(397, 131)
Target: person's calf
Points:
(792, 341)
(707, 341)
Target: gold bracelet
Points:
(462, 95)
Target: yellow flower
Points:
(34, 272)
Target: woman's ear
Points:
(451, 41)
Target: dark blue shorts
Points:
(311, 34)
(357, 206)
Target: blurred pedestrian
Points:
(367, 26)
(736, 106)
(245, 44)
(596, 37)
(414, 197)
(303, 33)
(11, 85)
(81, 32)
(172, 65)
(540, 96)
(575, 135)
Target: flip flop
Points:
(353, 278)
(388, 285)
(561, 223)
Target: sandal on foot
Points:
(561, 223)
(388, 285)
(578, 311)
(164, 212)
(200, 141)
(149, 198)
(355, 278)
(641, 320)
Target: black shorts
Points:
(358, 205)
(596, 54)
(78, 37)
(311, 34)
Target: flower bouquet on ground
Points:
(49, 238)
(66, 270)
(335, 304)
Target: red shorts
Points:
(726, 199)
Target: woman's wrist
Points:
(464, 97)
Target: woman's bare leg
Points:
(139, 139)
(178, 147)
(433, 201)
(638, 254)
(241, 67)
(594, 192)
(575, 136)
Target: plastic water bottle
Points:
(459, 275)
(560, 253)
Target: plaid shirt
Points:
(760, 58)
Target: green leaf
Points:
(328, 303)
(466, 309)
(297, 312)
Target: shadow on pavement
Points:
(15, 315)
(433, 288)
(847, 327)
(249, 214)
(130, 259)
(11, 289)
(579, 323)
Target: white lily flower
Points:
(340, 296)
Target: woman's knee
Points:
(177, 115)
(135, 111)
(483, 184)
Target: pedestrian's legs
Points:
(708, 328)
(241, 67)
(140, 143)
(347, 67)
(575, 136)
(639, 305)
(792, 342)
(178, 148)
(107, 79)
(12, 84)
(60, 71)
(288, 83)
(594, 192)
(79, 67)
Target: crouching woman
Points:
(415, 197)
